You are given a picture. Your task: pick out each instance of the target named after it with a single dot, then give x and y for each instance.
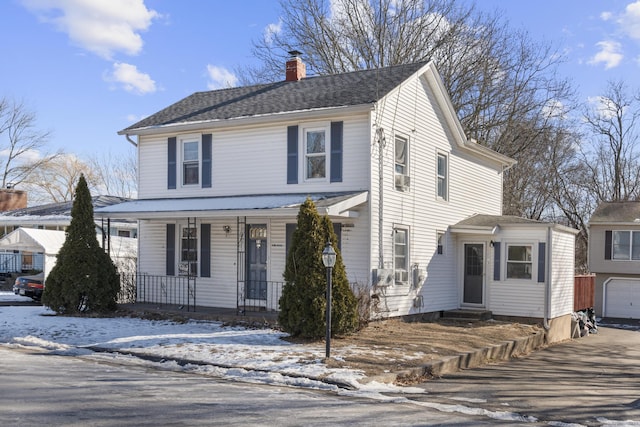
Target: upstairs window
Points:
(190, 162)
(402, 164)
(519, 261)
(626, 245)
(315, 153)
(442, 169)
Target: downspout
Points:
(135, 144)
(547, 294)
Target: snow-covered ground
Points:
(241, 354)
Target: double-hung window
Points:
(401, 156)
(443, 176)
(315, 143)
(626, 245)
(190, 162)
(519, 261)
(189, 251)
(401, 255)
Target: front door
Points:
(473, 274)
(257, 262)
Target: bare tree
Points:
(115, 175)
(612, 155)
(56, 180)
(21, 143)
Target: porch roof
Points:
(491, 224)
(271, 205)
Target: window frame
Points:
(440, 242)
(406, 256)
(632, 251)
(406, 164)
(444, 178)
(195, 264)
(531, 262)
(183, 140)
(325, 128)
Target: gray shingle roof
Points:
(63, 208)
(616, 212)
(347, 89)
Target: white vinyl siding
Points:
(253, 160)
(474, 185)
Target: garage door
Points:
(622, 299)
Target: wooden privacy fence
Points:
(584, 292)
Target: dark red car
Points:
(29, 286)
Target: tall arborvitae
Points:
(84, 278)
(303, 301)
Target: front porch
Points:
(180, 293)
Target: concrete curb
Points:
(183, 362)
(473, 359)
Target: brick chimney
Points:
(12, 199)
(296, 70)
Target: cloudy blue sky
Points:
(89, 68)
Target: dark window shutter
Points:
(171, 169)
(290, 228)
(206, 160)
(542, 260)
(292, 155)
(337, 228)
(205, 250)
(496, 261)
(336, 151)
(171, 250)
(607, 244)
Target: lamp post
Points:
(329, 260)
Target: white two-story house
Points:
(415, 204)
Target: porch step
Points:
(467, 314)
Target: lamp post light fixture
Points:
(329, 260)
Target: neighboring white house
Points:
(222, 175)
(45, 245)
(54, 216)
(614, 257)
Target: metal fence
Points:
(162, 290)
(259, 295)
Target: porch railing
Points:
(162, 290)
(259, 295)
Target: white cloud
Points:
(603, 106)
(101, 27)
(220, 77)
(27, 156)
(630, 20)
(605, 16)
(609, 54)
(131, 79)
(271, 31)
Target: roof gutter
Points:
(135, 144)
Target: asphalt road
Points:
(48, 390)
(594, 380)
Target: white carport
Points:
(47, 242)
